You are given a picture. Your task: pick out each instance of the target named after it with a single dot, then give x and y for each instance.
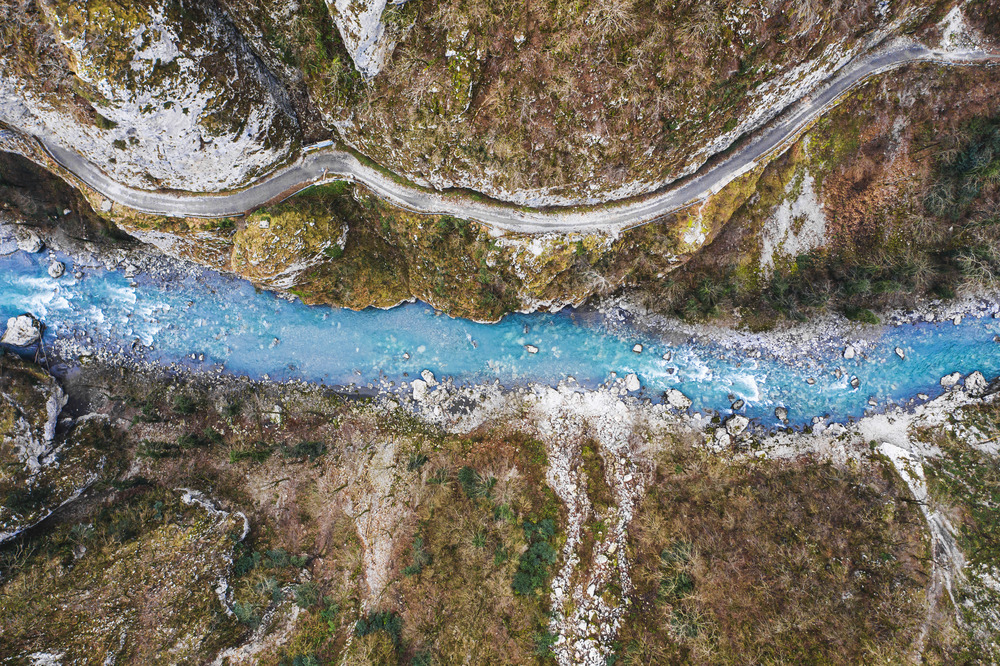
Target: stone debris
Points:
(56, 269)
(849, 352)
(531, 349)
(781, 413)
(637, 349)
(428, 377)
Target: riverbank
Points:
(364, 484)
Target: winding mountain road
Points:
(332, 164)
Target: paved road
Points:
(329, 164)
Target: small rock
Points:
(532, 349)
(923, 396)
(929, 316)
(406, 356)
(591, 590)
(900, 353)
(957, 319)
(66, 211)
(950, 380)
(838, 373)
(738, 405)
(849, 352)
(735, 425)
(855, 382)
(668, 356)
(22, 331)
(612, 548)
(28, 240)
(632, 382)
(428, 377)
(781, 413)
(637, 349)
(722, 438)
(975, 383)
(106, 205)
(811, 381)
(676, 399)
(56, 269)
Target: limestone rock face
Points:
(38, 471)
(167, 94)
(364, 35)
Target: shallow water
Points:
(255, 333)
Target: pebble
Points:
(668, 356)
(855, 382)
(900, 353)
(849, 352)
(532, 349)
(637, 349)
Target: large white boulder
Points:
(676, 399)
(28, 240)
(22, 331)
(735, 425)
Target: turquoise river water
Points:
(229, 323)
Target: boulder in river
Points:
(22, 331)
(632, 382)
(676, 399)
(781, 413)
(428, 377)
(855, 382)
(849, 352)
(951, 380)
(531, 349)
(975, 383)
(28, 240)
(637, 349)
(738, 405)
(735, 425)
(56, 269)
(900, 353)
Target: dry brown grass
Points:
(787, 562)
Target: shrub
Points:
(306, 595)
(257, 452)
(389, 622)
(533, 568)
(421, 558)
(246, 613)
(184, 404)
(311, 450)
(23, 500)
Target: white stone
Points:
(668, 356)
(22, 331)
(28, 240)
(849, 352)
(900, 353)
(735, 425)
(950, 380)
(637, 349)
(419, 390)
(56, 269)
(632, 382)
(781, 413)
(975, 383)
(532, 349)
(676, 399)
(364, 35)
(428, 377)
